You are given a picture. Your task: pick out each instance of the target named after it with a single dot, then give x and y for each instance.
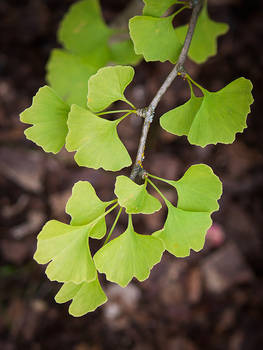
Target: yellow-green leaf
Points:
(107, 86)
(86, 297)
(48, 114)
(96, 141)
(215, 117)
(135, 198)
(129, 255)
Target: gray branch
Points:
(148, 113)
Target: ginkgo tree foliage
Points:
(86, 76)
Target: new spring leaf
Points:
(215, 117)
(86, 297)
(48, 114)
(84, 206)
(129, 255)
(83, 29)
(204, 41)
(96, 141)
(107, 86)
(66, 247)
(68, 75)
(135, 198)
(186, 225)
(155, 38)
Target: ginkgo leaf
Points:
(146, 31)
(86, 297)
(122, 52)
(129, 255)
(48, 114)
(68, 75)
(135, 198)
(198, 190)
(157, 7)
(67, 248)
(179, 120)
(83, 29)
(204, 41)
(84, 206)
(107, 86)
(215, 117)
(184, 230)
(96, 141)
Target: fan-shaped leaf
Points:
(86, 297)
(68, 75)
(147, 31)
(185, 227)
(84, 206)
(215, 117)
(107, 86)
(135, 198)
(198, 190)
(48, 114)
(83, 29)
(129, 255)
(67, 247)
(122, 52)
(184, 230)
(96, 141)
(204, 41)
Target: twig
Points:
(148, 113)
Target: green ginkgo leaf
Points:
(135, 198)
(107, 86)
(204, 41)
(48, 114)
(215, 117)
(186, 225)
(122, 52)
(129, 255)
(156, 7)
(198, 190)
(147, 31)
(67, 248)
(179, 120)
(68, 75)
(184, 230)
(86, 132)
(84, 206)
(86, 297)
(83, 29)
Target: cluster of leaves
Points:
(88, 44)
(66, 247)
(72, 112)
(152, 27)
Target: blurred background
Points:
(211, 300)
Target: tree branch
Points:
(148, 112)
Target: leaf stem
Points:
(157, 190)
(180, 9)
(113, 226)
(94, 222)
(129, 103)
(122, 117)
(156, 177)
(149, 113)
(191, 87)
(195, 83)
(118, 111)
